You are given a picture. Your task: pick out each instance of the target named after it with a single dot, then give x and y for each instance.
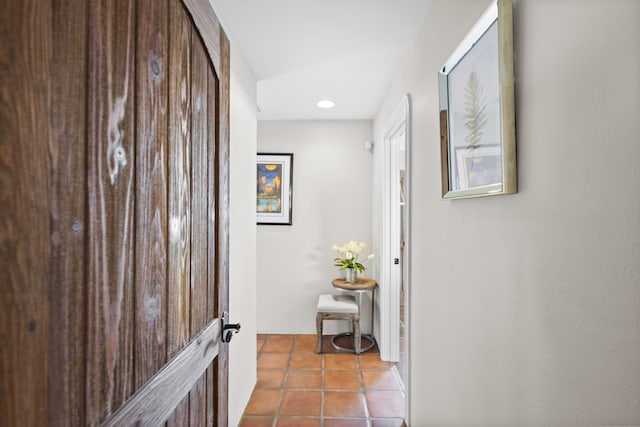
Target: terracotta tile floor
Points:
(299, 388)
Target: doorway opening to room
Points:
(395, 261)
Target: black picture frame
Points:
(274, 189)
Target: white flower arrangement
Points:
(348, 256)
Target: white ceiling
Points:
(302, 51)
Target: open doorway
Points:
(394, 264)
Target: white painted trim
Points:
(407, 256)
(389, 286)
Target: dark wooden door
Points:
(113, 213)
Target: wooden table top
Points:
(361, 283)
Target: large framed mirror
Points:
(477, 110)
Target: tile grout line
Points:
(363, 395)
(283, 386)
(322, 383)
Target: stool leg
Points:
(356, 334)
(319, 332)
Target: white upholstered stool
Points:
(338, 307)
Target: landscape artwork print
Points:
(273, 188)
(269, 188)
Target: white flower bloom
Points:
(371, 256)
(348, 254)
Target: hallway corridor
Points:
(299, 388)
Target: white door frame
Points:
(396, 135)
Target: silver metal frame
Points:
(502, 11)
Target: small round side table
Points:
(359, 287)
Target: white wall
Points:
(331, 205)
(526, 308)
(242, 234)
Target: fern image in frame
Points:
(475, 106)
(477, 109)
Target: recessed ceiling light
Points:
(325, 103)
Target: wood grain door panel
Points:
(114, 212)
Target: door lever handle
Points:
(228, 329)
